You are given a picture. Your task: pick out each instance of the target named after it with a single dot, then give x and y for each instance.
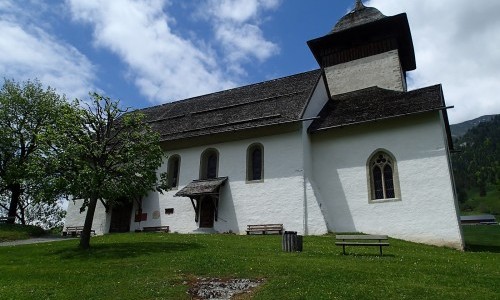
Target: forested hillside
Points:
(458, 130)
(476, 167)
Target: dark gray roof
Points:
(359, 16)
(201, 187)
(375, 103)
(268, 103)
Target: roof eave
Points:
(397, 26)
(313, 131)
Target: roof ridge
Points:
(228, 90)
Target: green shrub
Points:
(11, 232)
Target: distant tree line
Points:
(476, 164)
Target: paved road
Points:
(34, 241)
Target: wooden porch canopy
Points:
(196, 189)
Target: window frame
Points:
(371, 164)
(250, 163)
(204, 162)
(170, 167)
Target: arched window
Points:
(209, 164)
(382, 174)
(173, 169)
(255, 162)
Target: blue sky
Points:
(155, 51)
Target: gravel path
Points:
(34, 241)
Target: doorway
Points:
(207, 212)
(120, 218)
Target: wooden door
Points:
(207, 211)
(120, 218)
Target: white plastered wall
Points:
(314, 210)
(75, 218)
(382, 70)
(426, 212)
(278, 199)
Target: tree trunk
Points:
(89, 218)
(22, 215)
(15, 190)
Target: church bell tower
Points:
(364, 49)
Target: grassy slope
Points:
(482, 238)
(158, 266)
(488, 204)
(11, 232)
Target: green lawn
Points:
(488, 204)
(482, 238)
(159, 266)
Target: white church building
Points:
(345, 148)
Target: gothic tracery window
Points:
(382, 173)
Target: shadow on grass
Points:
(482, 238)
(124, 250)
(470, 247)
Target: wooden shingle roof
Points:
(267, 103)
(375, 103)
(202, 187)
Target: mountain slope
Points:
(458, 130)
(476, 167)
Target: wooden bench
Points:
(488, 223)
(265, 229)
(6, 219)
(75, 231)
(362, 240)
(165, 229)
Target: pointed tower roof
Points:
(360, 15)
(363, 32)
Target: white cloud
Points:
(236, 28)
(456, 44)
(238, 11)
(163, 65)
(240, 42)
(28, 51)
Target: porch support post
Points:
(215, 199)
(196, 210)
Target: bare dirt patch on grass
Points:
(223, 289)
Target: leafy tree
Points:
(109, 155)
(47, 215)
(30, 121)
(44, 215)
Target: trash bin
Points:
(291, 242)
